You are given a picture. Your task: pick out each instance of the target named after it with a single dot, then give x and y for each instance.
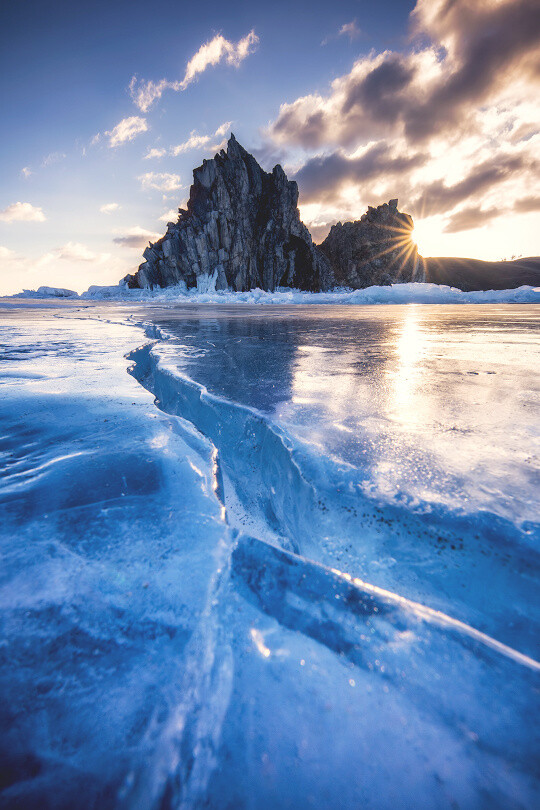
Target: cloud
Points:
(169, 216)
(365, 103)
(470, 52)
(26, 171)
(223, 129)
(160, 181)
(350, 30)
(8, 255)
(437, 197)
(155, 153)
(108, 208)
(216, 50)
(527, 204)
(488, 45)
(471, 217)
(136, 237)
(72, 265)
(196, 141)
(74, 252)
(446, 124)
(126, 130)
(54, 157)
(326, 174)
(22, 212)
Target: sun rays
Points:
(399, 249)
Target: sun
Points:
(427, 235)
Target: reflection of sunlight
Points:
(315, 381)
(159, 441)
(258, 639)
(409, 351)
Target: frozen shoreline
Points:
(411, 293)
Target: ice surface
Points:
(307, 578)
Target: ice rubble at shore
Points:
(410, 293)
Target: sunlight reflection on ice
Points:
(258, 639)
(410, 349)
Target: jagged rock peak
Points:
(376, 249)
(241, 230)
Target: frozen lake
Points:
(311, 571)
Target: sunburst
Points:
(400, 244)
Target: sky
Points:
(108, 107)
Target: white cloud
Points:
(169, 216)
(74, 252)
(71, 265)
(216, 50)
(155, 153)
(350, 30)
(127, 129)
(135, 237)
(217, 147)
(7, 255)
(223, 129)
(160, 181)
(26, 171)
(22, 212)
(54, 157)
(196, 141)
(193, 142)
(108, 208)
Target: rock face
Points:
(241, 230)
(376, 249)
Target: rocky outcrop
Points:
(376, 249)
(241, 230)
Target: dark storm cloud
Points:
(471, 217)
(489, 42)
(309, 131)
(482, 47)
(381, 90)
(326, 174)
(527, 204)
(437, 198)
